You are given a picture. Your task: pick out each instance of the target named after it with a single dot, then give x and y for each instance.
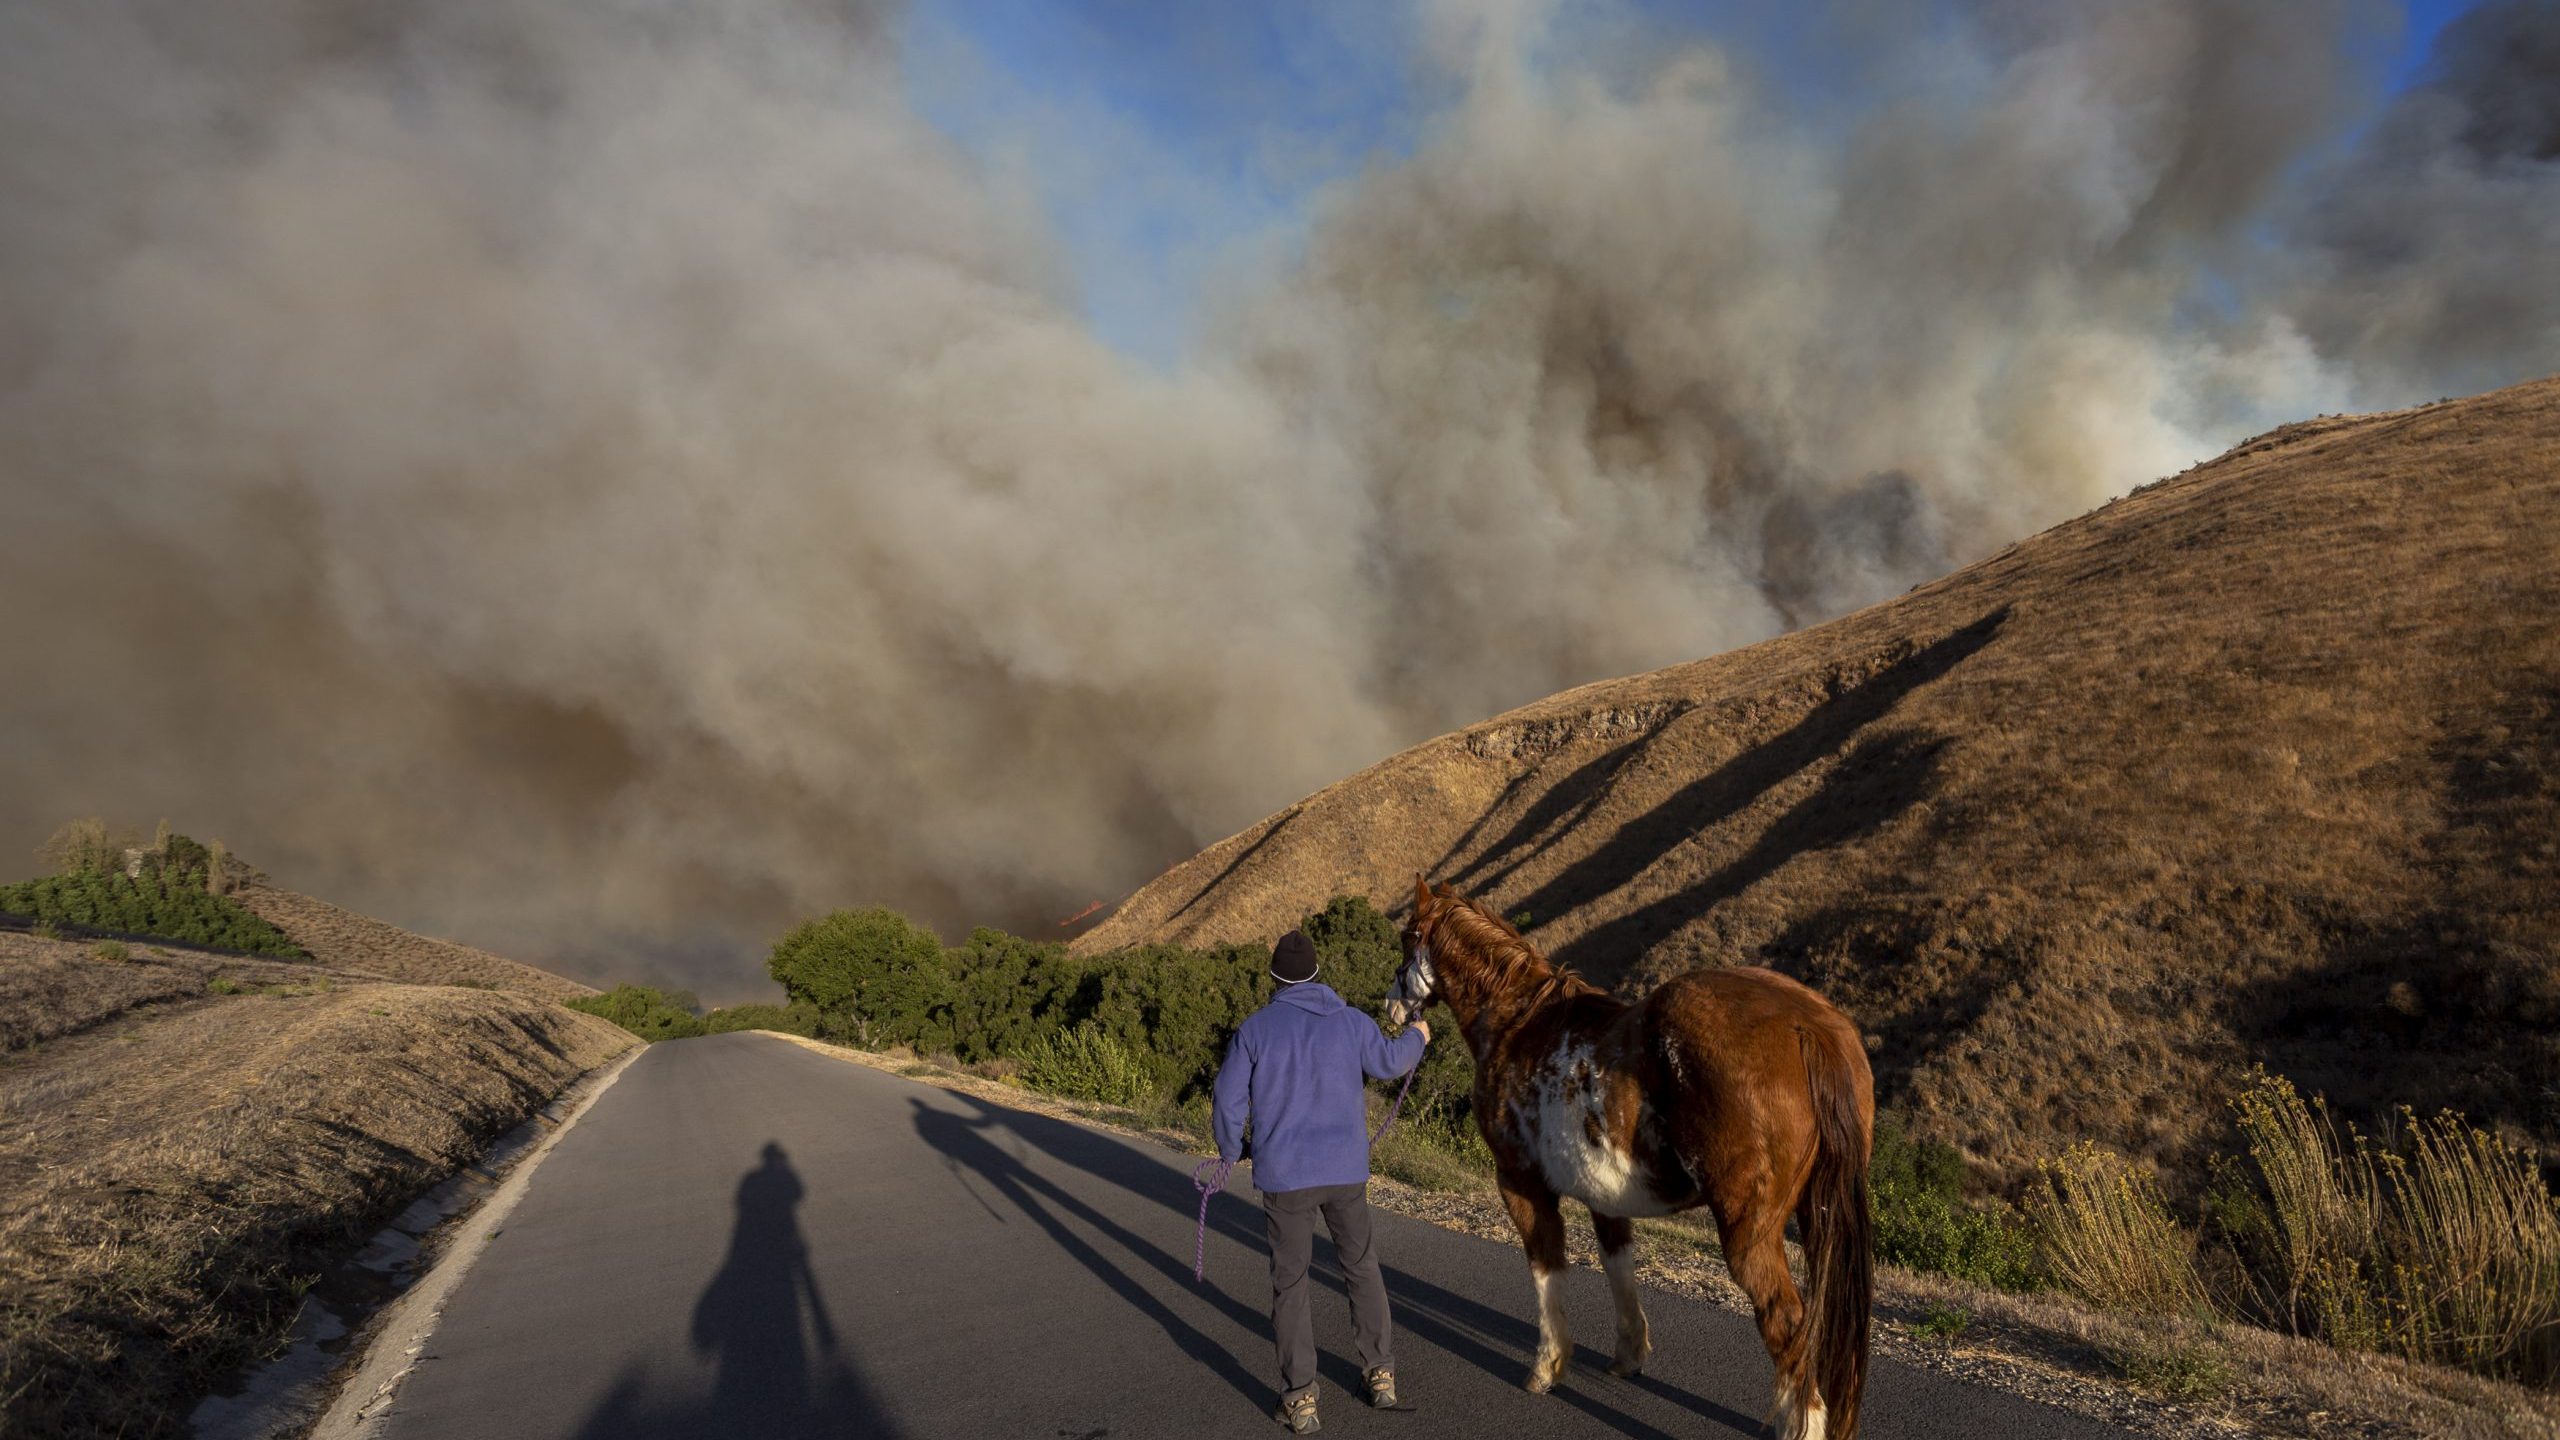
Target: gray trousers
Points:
(1289, 1222)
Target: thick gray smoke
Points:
(605, 481)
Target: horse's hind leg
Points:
(1542, 1236)
(1618, 1257)
(1756, 1253)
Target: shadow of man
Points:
(749, 1316)
(749, 1319)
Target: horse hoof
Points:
(1540, 1381)
(1626, 1369)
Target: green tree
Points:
(645, 1011)
(877, 977)
(1358, 950)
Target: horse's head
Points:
(1416, 982)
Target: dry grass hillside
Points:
(350, 941)
(2260, 764)
(187, 1135)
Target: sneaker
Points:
(1298, 1412)
(1382, 1388)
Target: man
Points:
(1296, 1071)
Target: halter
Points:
(1422, 947)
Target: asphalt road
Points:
(746, 1238)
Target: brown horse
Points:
(1737, 1089)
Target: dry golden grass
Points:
(50, 988)
(2259, 764)
(166, 1182)
(350, 941)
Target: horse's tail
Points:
(1839, 1242)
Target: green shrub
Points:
(798, 1019)
(875, 977)
(1007, 994)
(2180, 1370)
(169, 903)
(1924, 1221)
(1085, 1062)
(1175, 1007)
(1434, 1144)
(1357, 950)
(111, 951)
(1943, 1323)
(645, 1011)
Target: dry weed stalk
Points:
(2106, 1233)
(2444, 1249)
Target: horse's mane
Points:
(1505, 962)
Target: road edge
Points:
(402, 1328)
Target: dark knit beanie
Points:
(1293, 960)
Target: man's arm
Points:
(1385, 1059)
(1231, 1099)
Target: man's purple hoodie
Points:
(1295, 1072)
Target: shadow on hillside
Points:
(1917, 990)
(1247, 853)
(1548, 819)
(2461, 991)
(1495, 1341)
(1880, 778)
(1884, 776)
(751, 1318)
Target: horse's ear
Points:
(1421, 893)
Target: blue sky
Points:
(1171, 141)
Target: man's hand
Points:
(1425, 1027)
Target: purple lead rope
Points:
(1210, 1176)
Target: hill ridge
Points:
(343, 939)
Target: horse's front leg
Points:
(1541, 1223)
(1618, 1257)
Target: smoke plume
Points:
(606, 481)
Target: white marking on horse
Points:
(1565, 1110)
(1554, 1341)
(1788, 1423)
